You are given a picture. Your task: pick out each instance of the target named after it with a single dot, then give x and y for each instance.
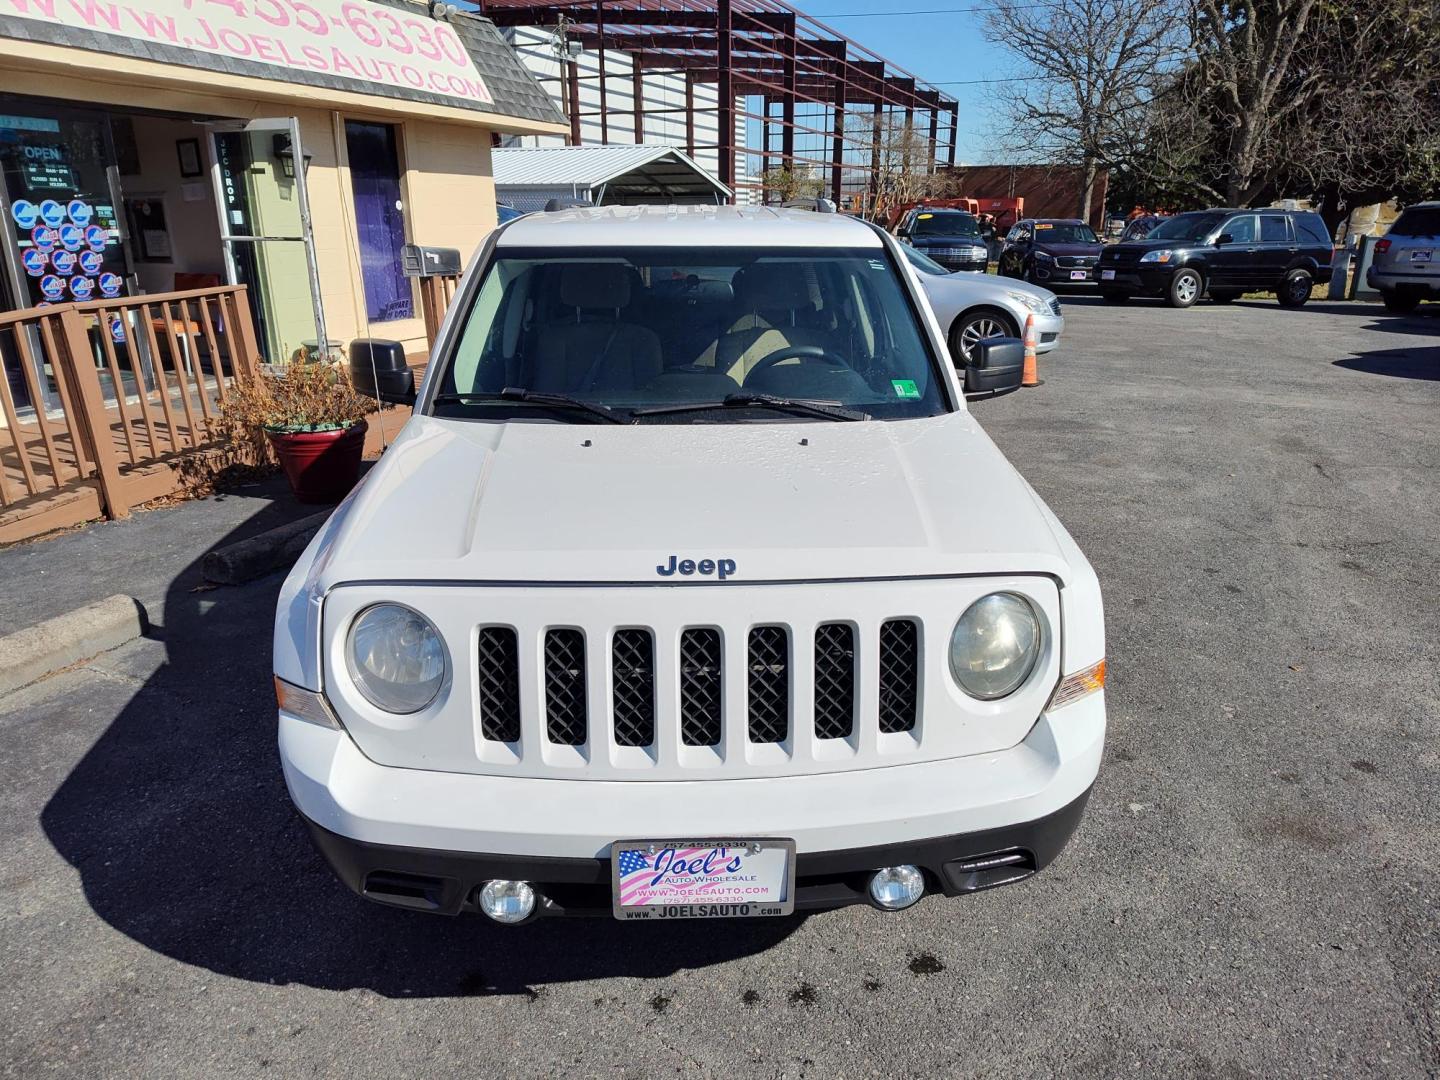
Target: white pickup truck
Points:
(690, 590)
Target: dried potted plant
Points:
(313, 419)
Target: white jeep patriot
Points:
(691, 589)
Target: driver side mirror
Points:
(1224, 238)
(378, 369)
(997, 366)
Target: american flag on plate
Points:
(631, 861)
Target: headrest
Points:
(595, 285)
(773, 287)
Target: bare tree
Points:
(1252, 56)
(896, 156)
(1087, 72)
(792, 182)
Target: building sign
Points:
(353, 39)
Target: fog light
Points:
(896, 887)
(507, 902)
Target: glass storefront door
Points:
(259, 173)
(62, 237)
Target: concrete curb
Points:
(33, 653)
(274, 549)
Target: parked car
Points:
(778, 628)
(1406, 265)
(1139, 228)
(949, 237)
(1224, 252)
(1050, 252)
(972, 308)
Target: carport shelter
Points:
(529, 177)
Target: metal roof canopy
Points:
(762, 49)
(613, 175)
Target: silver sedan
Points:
(972, 307)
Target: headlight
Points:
(1044, 256)
(1161, 256)
(994, 646)
(1034, 303)
(396, 657)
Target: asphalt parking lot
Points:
(1255, 890)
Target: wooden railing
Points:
(95, 392)
(435, 295)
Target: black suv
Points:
(1224, 252)
(950, 237)
(1050, 252)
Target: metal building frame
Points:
(804, 88)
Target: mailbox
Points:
(430, 261)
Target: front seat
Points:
(594, 349)
(775, 303)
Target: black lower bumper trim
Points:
(445, 881)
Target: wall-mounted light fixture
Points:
(439, 10)
(285, 155)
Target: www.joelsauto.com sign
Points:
(354, 39)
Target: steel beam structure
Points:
(770, 66)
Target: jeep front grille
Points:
(899, 675)
(565, 713)
(632, 665)
(700, 675)
(499, 684)
(834, 681)
(769, 668)
(700, 702)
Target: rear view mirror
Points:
(1224, 238)
(996, 366)
(378, 369)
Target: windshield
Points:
(1190, 227)
(922, 262)
(636, 329)
(935, 224)
(1064, 232)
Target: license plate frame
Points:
(760, 852)
(1107, 275)
(1079, 275)
(1421, 255)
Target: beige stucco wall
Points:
(448, 192)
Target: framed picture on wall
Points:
(188, 151)
(148, 228)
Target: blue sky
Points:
(935, 47)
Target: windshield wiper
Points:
(768, 401)
(536, 397)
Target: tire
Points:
(1400, 301)
(1114, 296)
(1224, 296)
(1295, 289)
(977, 325)
(1185, 288)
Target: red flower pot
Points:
(322, 466)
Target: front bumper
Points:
(1053, 276)
(425, 839)
(1150, 281)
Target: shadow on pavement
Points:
(179, 825)
(1397, 363)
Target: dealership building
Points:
(292, 146)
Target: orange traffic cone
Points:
(1030, 376)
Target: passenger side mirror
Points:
(378, 369)
(1224, 238)
(996, 366)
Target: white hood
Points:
(550, 503)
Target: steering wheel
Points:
(807, 353)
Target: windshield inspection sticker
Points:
(905, 388)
